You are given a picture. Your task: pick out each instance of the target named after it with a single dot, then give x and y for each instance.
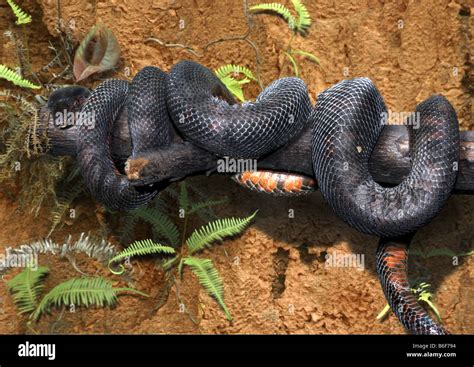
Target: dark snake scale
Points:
(346, 123)
(226, 128)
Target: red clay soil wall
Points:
(275, 277)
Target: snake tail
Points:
(276, 183)
(392, 270)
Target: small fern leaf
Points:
(234, 86)
(169, 263)
(306, 54)
(126, 232)
(171, 192)
(64, 203)
(21, 16)
(234, 70)
(422, 292)
(304, 19)
(81, 292)
(140, 248)
(16, 79)
(441, 252)
(183, 197)
(206, 214)
(280, 9)
(158, 202)
(216, 230)
(26, 288)
(209, 278)
(293, 63)
(205, 204)
(160, 222)
(180, 268)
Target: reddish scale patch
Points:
(269, 181)
(395, 258)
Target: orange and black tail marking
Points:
(392, 269)
(276, 183)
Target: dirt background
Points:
(274, 274)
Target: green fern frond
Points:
(81, 292)
(234, 70)
(206, 214)
(160, 222)
(21, 16)
(235, 86)
(158, 202)
(423, 294)
(306, 54)
(138, 248)
(26, 288)
(16, 79)
(209, 278)
(442, 251)
(169, 263)
(183, 197)
(297, 25)
(216, 230)
(171, 192)
(304, 19)
(293, 63)
(180, 268)
(228, 74)
(127, 230)
(205, 204)
(64, 203)
(280, 9)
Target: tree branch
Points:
(390, 161)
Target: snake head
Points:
(63, 101)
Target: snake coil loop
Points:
(346, 124)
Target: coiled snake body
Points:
(346, 123)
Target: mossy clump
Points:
(26, 173)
